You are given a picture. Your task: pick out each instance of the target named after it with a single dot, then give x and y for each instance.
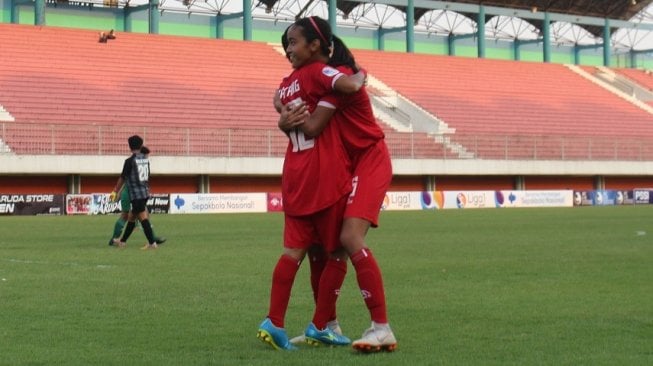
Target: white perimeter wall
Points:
(103, 165)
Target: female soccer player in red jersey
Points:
(364, 142)
(316, 183)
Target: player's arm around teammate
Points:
(372, 173)
(310, 166)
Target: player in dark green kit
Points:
(125, 205)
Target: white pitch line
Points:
(70, 264)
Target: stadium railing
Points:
(64, 139)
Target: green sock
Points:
(117, 228)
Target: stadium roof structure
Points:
(571, 22)
(612, 9)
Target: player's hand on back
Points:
(292, 117)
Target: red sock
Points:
(318, 260)
(370, 283)
(330, 283)
(282, 281)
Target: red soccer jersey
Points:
(355, 120)
(316, 171)
(363, 140)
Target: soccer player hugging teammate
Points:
(316, 181)
(309, 42)
(364, 143)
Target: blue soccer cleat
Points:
(274, 336)
(326, 336)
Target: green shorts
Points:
(125, 204)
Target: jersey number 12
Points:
(299, 141)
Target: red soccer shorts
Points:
(371, 180)
(322, 227)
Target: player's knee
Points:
(351, 240)
(339, 254)
(295, 253)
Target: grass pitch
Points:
(570, 286)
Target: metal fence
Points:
(66, 139)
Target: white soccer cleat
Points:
(298, 340)
(333, 325)
(375, 339)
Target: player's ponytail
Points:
(342, 55)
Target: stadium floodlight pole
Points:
(633, 59)
(410, 26)
(546, 37)
(39, 12)
(247, 20)
(451, 44)
(127, 12)
(14, 11)
(517, 43)
(516, 46)
(219, 22)
(380, 35)
(153, 13)
(606, 42)
(578, 48)
(333, 10)
(127, 18)
(633, 56)
(451, 41)
(480, 26)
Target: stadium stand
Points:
(136, 79)
(413, 145)
(59, 76)
(521, 101)
(197, 96)
(76, 95)
(641, 77)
